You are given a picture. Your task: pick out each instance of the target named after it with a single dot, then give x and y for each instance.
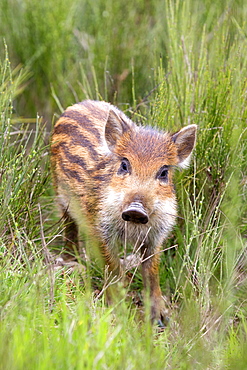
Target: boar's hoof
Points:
(162, 323)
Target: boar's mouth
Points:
(136, 213)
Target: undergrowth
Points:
(168, 64)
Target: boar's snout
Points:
(135, 212)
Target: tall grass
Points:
(23, 173)
(167, 64)
(65, 43)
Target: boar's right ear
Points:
(185, 141)
(114, 129)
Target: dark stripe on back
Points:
(73, 174)
(103, 178)
(76, 159)
(70, 173)
(83, 120)
(77, 138)
(71, 157)
(103, 164)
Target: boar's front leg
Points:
(71, 237)
(110, 260)
(150, 274)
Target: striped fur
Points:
(107, 170)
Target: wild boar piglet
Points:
(114, 178)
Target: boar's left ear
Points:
(114, 129)
(185, 141)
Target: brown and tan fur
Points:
(115, 178)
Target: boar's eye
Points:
(124, 167)
(163, 174)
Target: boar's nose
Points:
(135, 213)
